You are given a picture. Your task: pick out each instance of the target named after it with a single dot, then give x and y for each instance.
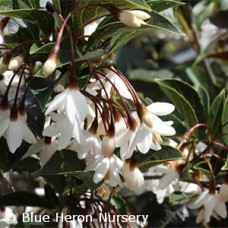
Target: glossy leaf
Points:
(152, 158)
(61, 163)
(42, 89)
(21, 198)
(51, 198)
(177, 198)
(161, 5)
(225, 122)
(40, 18)
(185, 99)
(215, 111)
(204, 96)
(41, 48)
(90, 9)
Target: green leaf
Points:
(29, 164)
(179, 198)
(21, 198)
(162, 5)
(152, 158)
(41, 48)
(204, 96)
(150, 75)
(197, 75)
(34, 4)
(61, 163)
(42, 89)
(40, 18)
(215, 111)
(185, 99)
(160, 22)
(123, 38)
(57, 182)
(4, 156)
(90, 9)
(203, 167)
(225, 167)
(81, 182)
(51, 198)
(120, 204)
(225, 122)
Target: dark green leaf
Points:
(81, 182)
(185, 99)
(58, 182)
(161, 5)
(90, 9)
(177, 198)
(29, 164)
(160, 22)
(149, 75)
(40, 18)
(203, 167)
(42, 89)
(215, 111)
(119, 204)
(225, 122)
(4, 156)
(204, 96)
(61, 163)
(51, 198)
(23, 199)
(34, 4)
(152, 158)
(225, 167)
(41, 48)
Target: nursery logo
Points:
(9, 219)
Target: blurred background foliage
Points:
(200, 58)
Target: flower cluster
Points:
(104, 121)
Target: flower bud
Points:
(50, 65)
(144, 115)
(108, 145)
(223, 192)
(16, 62)
(133, 18)
(133, 177)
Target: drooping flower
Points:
(73, 104)
(134, 18)
(149, 134)
(15, 129)
(211, 202)
(133, 176)
(107, 168)
(45, 148)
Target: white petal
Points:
(57, 102)
(167, 179)
(220, 208)
(199, 201)
(209, 207)
(4, 124)
(161, 108)
(162, 128)
(28, 136)
(101, 170)
(14, 136)
(145, 144)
